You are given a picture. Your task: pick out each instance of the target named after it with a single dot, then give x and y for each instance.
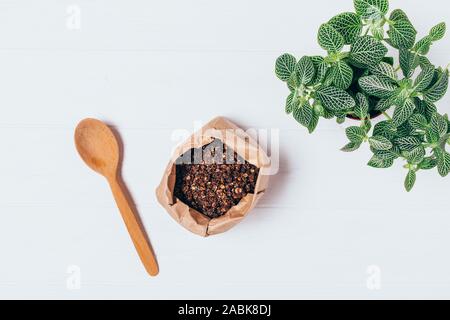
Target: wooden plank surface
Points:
(154, 69)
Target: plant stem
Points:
(397, 69)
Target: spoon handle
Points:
(135, 228)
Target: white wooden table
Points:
(329, 227)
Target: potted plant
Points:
(357, 79)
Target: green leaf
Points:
(305, 70)
(439, 125)
(335, 99)
(362, 106)
(313, 123)
(330, 39)
(416, 155)
(423, 46)
(349, 25)
(367, 51)
(438, 90)
(438, 32)
(377, 32)
(321, 68)
(424, 62)
(418, 121)
(377, 87)
(377, 162)
(403, 112)
(366, 124)
(407, 143)
(342, 75)
(383, 105)
(424, 79)
(428, 163)
(384, 71)
(355, 134)
(303, 114)
(385, 154)
(410, 180)
(351, 146)
(380, 143)
(340, 118)
(443, 162)
(402, 34)
(371, 9)
(385, 129)
(289, 104)
(426, 109)
(408, 62)
(285, 66)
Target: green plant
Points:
(356, 79)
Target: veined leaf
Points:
(321, 68)
(428, 163)
(408, 62)
(439, 125)
(351, 146)
(402, 33)
(371, 9)
(342, 75)
(385, 154)
(385, 129)
(423, 45)
(424, 79)
(314, 122)
(438, 32)
(405, 130)
(330, 39)
(416, 155)
(377, 32)
(418, 121)
(367, 51)
(377, 87)
(285, 66)
(293, 83)
(410, 180)
(384, 71)
(380, 143)
(443, 162)
(289, 104)
(349, 25)
(438, 90)
(383, 105)
(398, 14)
(425, 108)
(403, 112)
(376, 162)
(424, 62)
(303, 114)
(366, 124)
(407, 143)
(362, 106)
(355, 134)
(305, 70)
(335, 99)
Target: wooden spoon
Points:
(99, 148)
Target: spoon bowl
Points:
(97, 146)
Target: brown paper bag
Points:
(246, 147)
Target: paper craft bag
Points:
(246, 147)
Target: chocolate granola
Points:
(213, 179)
